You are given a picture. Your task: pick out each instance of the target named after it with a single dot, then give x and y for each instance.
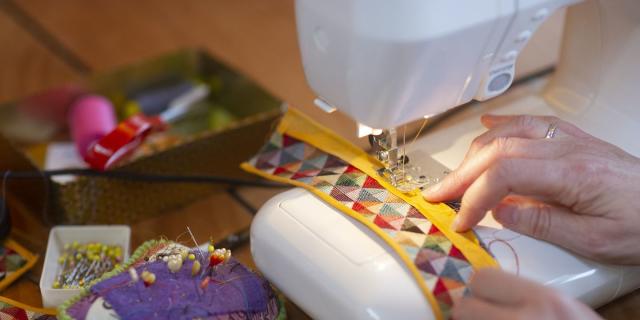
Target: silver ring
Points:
(551, 131)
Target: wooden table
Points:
(47, 42)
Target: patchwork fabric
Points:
(443, 267)
(11, 310)
(14, 261)
(10, 261)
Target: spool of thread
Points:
(91, 117)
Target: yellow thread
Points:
(404, 150)
(424, 123)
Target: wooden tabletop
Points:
(50, 42)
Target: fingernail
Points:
(433, 189)
(455, 224)
(504, 213)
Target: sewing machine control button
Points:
(523, 36)
(540, 15)
(499, 82)
(510, 56)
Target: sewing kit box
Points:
(216, 152)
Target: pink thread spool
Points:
(91, 117)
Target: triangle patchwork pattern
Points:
(444, 268)
(286, 158)
(382, 223)
(317, 162)
(295, 150)
(410, 238)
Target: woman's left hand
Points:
(498, 295)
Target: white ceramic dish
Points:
(108, 234)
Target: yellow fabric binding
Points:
(350, 212)
(303, 128)
(51, 312)
(28, 256)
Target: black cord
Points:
(233, 192)
(145, 177)
(234, 240)
(130, 176)
(5, 219)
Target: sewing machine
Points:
(385, 63)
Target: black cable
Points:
(234, 240)
(145, 177)
(131, 176)
(5, 218)
(233, 192)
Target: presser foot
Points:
(408, 179)
(397, 170)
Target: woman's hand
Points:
(573, 190)
(497, 295)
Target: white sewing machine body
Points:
(333, 267)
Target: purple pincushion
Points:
(232, 292)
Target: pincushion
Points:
(160, 282)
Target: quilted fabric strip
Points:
(12, 310)
(15, 260)
(442, 270)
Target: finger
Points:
(491, 120)
(471, 308)
(526, 177)
(528, 122)
(553, 224)
(457, 182)
(529, 127)
(489, 284)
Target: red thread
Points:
(515, 255)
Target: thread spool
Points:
(91, 117)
